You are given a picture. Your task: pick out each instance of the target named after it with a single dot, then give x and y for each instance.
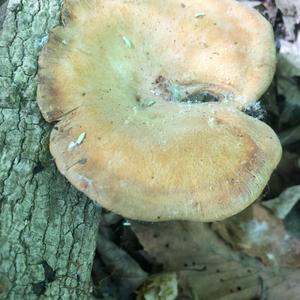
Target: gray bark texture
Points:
(47, 229)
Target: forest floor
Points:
(254, 255)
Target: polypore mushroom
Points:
(127, 80)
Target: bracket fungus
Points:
(148, 97)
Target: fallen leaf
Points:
(283, 204)
(259, 233)
(289, 60)
(207, 268)
(291, 15)
(265, 7)
(159, 287)
(124, 269)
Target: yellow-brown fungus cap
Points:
(125, 80)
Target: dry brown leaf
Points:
(265, 7)
(289, 60)
(260, 234)
(291, 15)
(160, 287)
(126, 272)
(208, 269)
(271, 10)
(283, 204)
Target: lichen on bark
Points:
(47, 229)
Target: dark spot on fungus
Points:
(239, 288)
(232, 181)
(83, 94)
(159, 79)
(218, 271)
(200, 97)
(82, 161)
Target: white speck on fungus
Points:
(199, 15)
(211, 121)
(127, 42)
(79, 140)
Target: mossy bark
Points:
(47, 229)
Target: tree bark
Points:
(47, 229)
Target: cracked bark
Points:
(47, 228)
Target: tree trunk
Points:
(47, 229)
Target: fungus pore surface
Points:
(128, 83)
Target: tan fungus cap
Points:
(121, 76)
